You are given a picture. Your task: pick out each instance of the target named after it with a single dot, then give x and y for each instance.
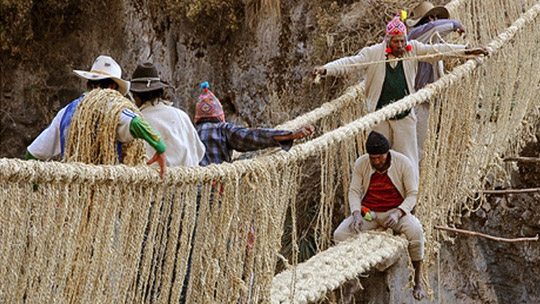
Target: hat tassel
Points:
(205, 86)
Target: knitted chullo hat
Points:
(208, 105)
(396, 27)
(377, 143)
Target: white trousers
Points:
(401, 135)
(407, 224)
(422, 118)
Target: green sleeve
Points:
(139, 128)
(29, 155)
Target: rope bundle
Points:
(92, 133)
(333, 267)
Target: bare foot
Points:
(351, 287)
(418, 291)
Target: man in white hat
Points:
(105, 74)
(430, 24)
(184, 148)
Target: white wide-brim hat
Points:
(105, 67)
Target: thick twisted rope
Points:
(335, 266)
(121, 234)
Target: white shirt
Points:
(47, 144)
(184, 148)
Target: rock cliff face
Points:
(257, 71)
(260, 72)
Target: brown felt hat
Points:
(426, 9)
(145, 79)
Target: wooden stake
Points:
(511, 191)
(523, 159)
(487, 236)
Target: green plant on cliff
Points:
(214, 18)
(226, 13)
(23, 20)
(15, 24)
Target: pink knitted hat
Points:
(208, 105)
(396, 27)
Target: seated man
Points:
(221, 138)
(384, 182)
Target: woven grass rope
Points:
(118, 233)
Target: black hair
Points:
(423, 21)
(207, 120)
(101, 83)
(149, 95)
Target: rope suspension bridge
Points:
(117, 233)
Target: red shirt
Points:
(382, 195)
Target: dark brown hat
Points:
(145, 79)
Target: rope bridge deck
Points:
(72, 232)
(326, 271)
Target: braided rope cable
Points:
(333, 267)
(117, 233)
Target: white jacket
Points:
(400, 172)
(375, 73)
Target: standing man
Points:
(429, 24)
(105, 74)
(221, 137)
(387, 82)
(384, 181)
(184, 148)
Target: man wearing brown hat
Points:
(104, 74)
(430, 23)
(384, 186)
(184, 148)
(390, 71)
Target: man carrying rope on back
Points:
(390, 70)
(431, 24)
(54, 140)
(384, 186)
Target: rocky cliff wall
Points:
(256, 54)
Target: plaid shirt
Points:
(220, 139)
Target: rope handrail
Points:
(121, 234)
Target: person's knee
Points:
(416, 233)
(412, 229)
(340, 236)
